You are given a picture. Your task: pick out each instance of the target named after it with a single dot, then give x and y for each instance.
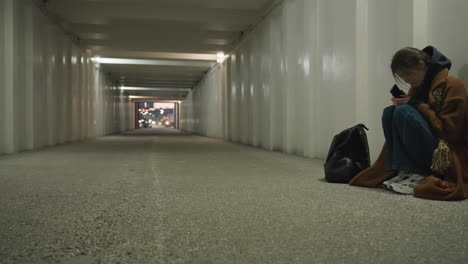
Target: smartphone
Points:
(396, 92)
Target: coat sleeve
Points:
(447, 125)
(375, 174)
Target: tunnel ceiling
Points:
(180, 37)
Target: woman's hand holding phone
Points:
(399, 96)
(402, 100)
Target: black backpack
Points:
(348, 155)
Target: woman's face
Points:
(414, 76)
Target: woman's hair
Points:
(408, 58)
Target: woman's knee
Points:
(403, 112)
(387, 114)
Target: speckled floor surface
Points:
(175, 198)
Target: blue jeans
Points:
(410, 140)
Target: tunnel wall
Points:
(51, 92)
(312, 68)
(205, 102)
(448, 30)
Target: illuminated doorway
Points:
(156, 114)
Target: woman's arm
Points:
(448, 125)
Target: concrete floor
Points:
(166, 197)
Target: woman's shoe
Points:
(407, 184)
(399, 177)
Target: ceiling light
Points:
(183, 63)
(154, 89)
(221, 57)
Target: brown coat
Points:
(451, 125)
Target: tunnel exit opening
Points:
(156, 115)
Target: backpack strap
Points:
(363, 126)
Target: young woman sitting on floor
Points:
(426, 131)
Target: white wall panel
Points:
(234, 90)
(5, 28)
(3, 91)
(28, 72)
(186, 114)
(50, 92)
(336, 90)
(386, 35)
(50, 83)
(9, 74)
(39, 103)
(205, 101)
(309, 70)
(276, 104)
(19, 82)
(447, 31)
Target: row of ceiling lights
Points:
(221, 57)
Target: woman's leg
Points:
(387, 125)
(415, 140)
